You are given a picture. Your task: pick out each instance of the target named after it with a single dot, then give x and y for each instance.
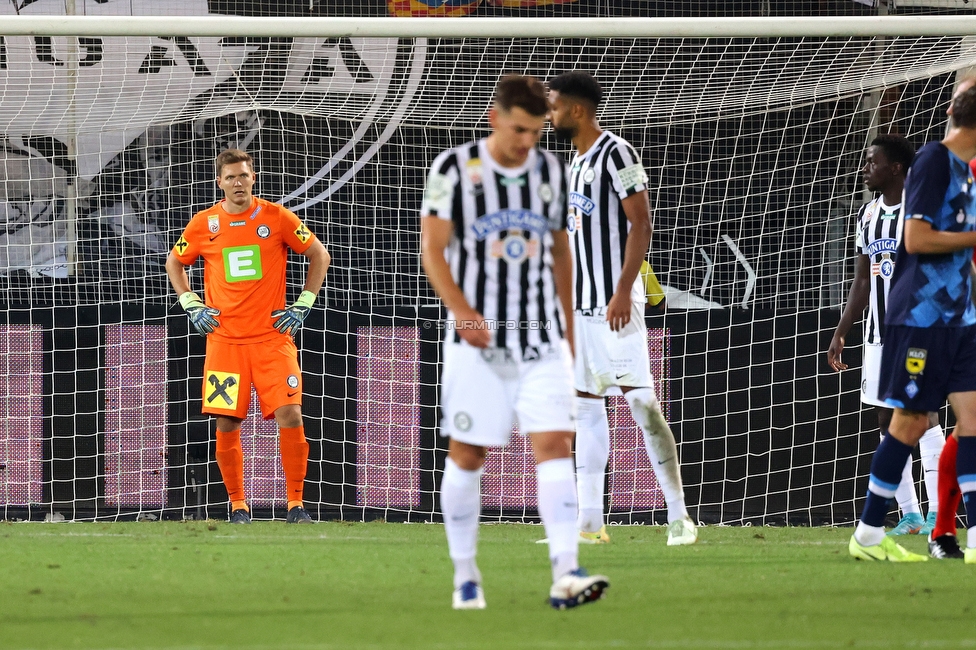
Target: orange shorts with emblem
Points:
(230, 369)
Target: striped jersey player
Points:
(495, 249)
(611, 232)
(879, 223)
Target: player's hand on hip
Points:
(471, 327)
(618, 311)
(833, 353)
(290, 320)
(202, 318)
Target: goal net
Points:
(753, 145)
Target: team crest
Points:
(884, 267)
(462, 421)
(302, 233)
(292, 381)
(546, 193)
(589, 175)
(264, 232)
(571, 224)
(911, 389)
(915, 361)
(213, 224)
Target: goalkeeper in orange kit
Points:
(244, 242)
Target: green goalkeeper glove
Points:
(289, 320)
(201, 316)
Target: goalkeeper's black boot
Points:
(240, 517)
(297, 515)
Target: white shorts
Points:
(871, 375)
(486, 391)
(606, 359)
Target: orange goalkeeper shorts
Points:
(230, 370)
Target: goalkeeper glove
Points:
(201, 316)
(289, 320)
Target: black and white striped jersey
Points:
(877, 237)
(600, 179)
(500, 254)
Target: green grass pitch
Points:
(378, 585)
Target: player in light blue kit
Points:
(930, 338)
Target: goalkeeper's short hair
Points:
(231, 156)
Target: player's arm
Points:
(288, 321)
(435, 237)
(562, 272)
(922, 239)
(857, 300)
(638, 212)
(202, 318)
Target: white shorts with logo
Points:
(606, 359)
(486, 391)
(871, 375)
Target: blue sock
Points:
(886, 468)
(966, 470)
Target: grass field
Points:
(378, 585)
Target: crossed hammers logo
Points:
(220, 389)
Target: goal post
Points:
(752, 132)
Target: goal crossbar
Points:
(724, 27)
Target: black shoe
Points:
(945, 547)
(297, 515)
(240, 517)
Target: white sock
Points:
(905, 494)
(661, 448)
(557, 507)
(868, 535)
(461, 505)
(971, 538)
(930, 448)
(592, 453)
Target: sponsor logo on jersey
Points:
(439, 193)
(631, 177)
(584, 204)
(263, 231)
(221, 389)
(242, 263)
(882, 246)
(506, 219)
(181, 245)
(473, 170)
(213, 224)
(915, 360)
(517, 181)
(303, 233)
(237, 223)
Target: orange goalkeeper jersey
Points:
(244, 257)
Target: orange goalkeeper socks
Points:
(230, 460)
(294, 460)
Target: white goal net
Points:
(753, 145)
